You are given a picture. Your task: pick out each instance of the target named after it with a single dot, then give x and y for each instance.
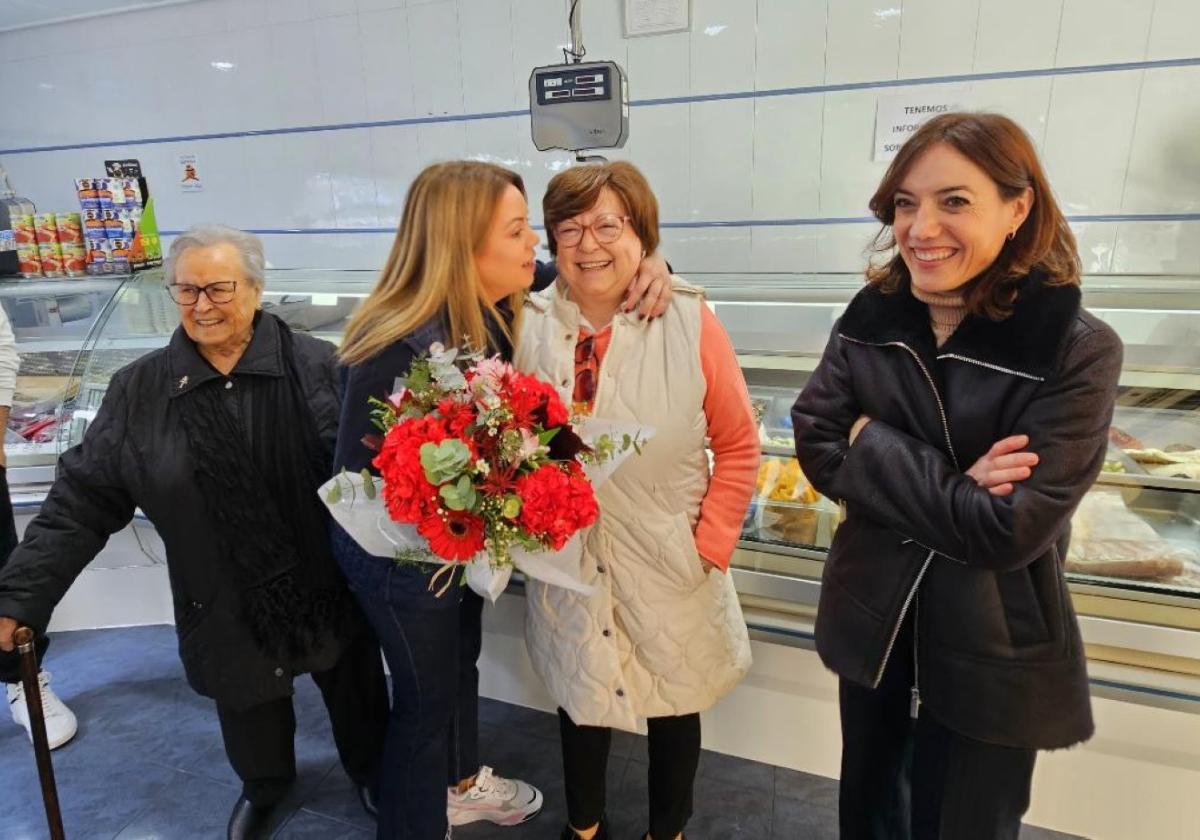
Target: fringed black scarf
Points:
(261, 496)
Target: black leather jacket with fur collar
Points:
(999, 652)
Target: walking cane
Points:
(37, 726)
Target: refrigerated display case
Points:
(1134, 565)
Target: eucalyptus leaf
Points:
(444, 461)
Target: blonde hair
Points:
(431, 268)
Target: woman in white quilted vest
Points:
(662, 637)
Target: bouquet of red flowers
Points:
(479, 462)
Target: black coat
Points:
(1000, 657)
(135, 455)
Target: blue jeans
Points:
(420, 636)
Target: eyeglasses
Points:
(607, 229)
(186, 295)
(585, 377)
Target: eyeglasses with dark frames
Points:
(186, 294)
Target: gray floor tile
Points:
(737, 772)
(807, 787)
(184, 808)
(533, 723)
(336, 798)
(792, 819)
(731, 813)
(308, 826)
(1032, 832)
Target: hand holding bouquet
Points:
(480, 464)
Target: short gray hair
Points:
(248, 245)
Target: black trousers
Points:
(260, 740)
(906, 779)
(464, 726)
(674, 744)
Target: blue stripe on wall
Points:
(734, 223)
(670, 100)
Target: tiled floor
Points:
(148, 763)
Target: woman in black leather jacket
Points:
(960, 412)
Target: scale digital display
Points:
(572, 85)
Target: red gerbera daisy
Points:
(454, 535)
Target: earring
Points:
(1011, 234)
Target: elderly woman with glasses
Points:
(222, 439)
(661, 638)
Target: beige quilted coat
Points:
(659, 636)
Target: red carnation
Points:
(409, 497)
(534, 401)
(454, 535)
(556, 503)
(456, 415)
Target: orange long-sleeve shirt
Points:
(732, 432)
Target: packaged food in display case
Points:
(787, 507)
(1109, 539)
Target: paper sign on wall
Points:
(654, 17)
(898, 117)
(189, 174)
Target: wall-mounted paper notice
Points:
(898, 117)
(653, 17)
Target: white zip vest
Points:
(658, 637)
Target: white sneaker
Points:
(61, 725)
(491, 798)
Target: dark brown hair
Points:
(575, 190)
(999, 147)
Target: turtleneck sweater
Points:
(946, 311)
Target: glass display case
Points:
(1136, 549)
(51, 320)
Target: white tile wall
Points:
(722, 52)
(1025, 100)
(1173, 29)
(436, 71)
(862, 40)
(790, 50)
(1086, 151)
(924, 48)
(659, 66)
(1098, 31)
(1119, 142)
(387, 73)
(1164, 165)
(848, 175)
(787, 135)
(722, 162)
(395, 161)
(486, 51)
(338, 61)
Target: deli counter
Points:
(1134, 561)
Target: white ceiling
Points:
(20, 14)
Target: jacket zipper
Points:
(914, 702)
(928, 378)
(914, 705)
(908, 602)
(991, 366)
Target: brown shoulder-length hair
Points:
(575, 190)
(431, 268)
(999, 147)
